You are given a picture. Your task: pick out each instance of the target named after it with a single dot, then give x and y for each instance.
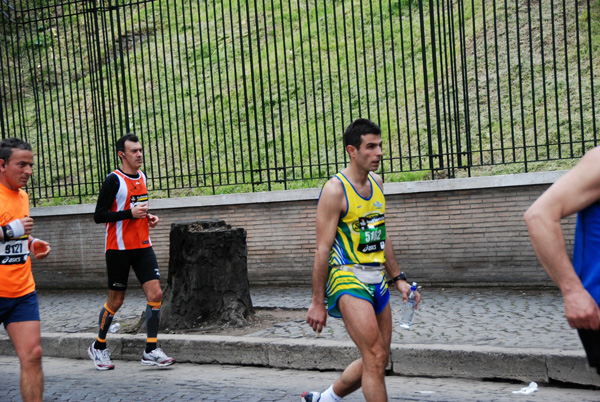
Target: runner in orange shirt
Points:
(123, 207)
(19, 309)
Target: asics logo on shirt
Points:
(13, 260)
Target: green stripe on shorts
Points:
(343, 282)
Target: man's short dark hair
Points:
(8, 144)
(358, 128)
(127, 137)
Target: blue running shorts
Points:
(341, 282)
(18, 309)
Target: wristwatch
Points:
(397, 278)
(7, 232)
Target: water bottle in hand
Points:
(408, 310)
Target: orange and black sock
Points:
(152, 321)
(105, 319)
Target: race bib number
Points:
(14, 252)
(136, 200)
(372, 234)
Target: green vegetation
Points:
(233, 96)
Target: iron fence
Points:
(235, 96)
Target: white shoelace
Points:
(158, 353)
(105, 354)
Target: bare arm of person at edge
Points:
(576, 190)
(331, 205)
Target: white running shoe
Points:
(101, 358)
(311, 397)
(156, 358)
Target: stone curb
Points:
(459, 361)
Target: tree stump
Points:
(208, 277)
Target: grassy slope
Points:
(220, 88)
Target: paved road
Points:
(512, 319)
(77, 380)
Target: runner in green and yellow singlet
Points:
(353, 253)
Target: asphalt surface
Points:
(470, 333)
(78, 381)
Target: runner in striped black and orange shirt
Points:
(123, 207)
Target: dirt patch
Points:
(262, 319)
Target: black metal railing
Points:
(235, 96)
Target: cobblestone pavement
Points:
(78, 381)
(473, 316)
(466, 316)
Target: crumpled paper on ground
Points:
(530, 389)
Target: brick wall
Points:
(445, 232)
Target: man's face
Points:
(15, 173)
(368, 156)
(133, 155)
